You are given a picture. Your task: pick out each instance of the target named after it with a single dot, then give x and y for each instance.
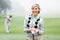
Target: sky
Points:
(49, 8)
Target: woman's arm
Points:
(26, 29)
(41, 26)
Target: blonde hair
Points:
(36, 5)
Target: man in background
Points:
(7, 23)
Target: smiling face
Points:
(35, 9)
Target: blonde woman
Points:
(33, 24)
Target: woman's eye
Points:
(35, 8)
(32, 8)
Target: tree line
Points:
(4, 6)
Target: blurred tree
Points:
(4, 6)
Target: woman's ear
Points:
(38, 11)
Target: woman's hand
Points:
(33, 29)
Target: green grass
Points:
(51, 26)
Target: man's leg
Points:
(7, 27)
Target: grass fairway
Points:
(52, 29)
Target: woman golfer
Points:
(33, 24)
